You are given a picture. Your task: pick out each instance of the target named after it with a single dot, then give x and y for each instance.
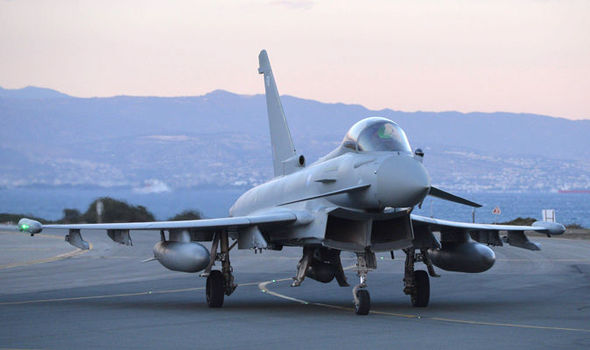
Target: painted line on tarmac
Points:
(107, 296)
(47, 260)
(513, 325)
(18, 233)
(264, 288)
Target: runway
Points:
(107, 298)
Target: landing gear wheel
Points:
(215, 289)
(363, 303)
(421, 294)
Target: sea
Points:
(49, 203)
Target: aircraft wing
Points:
(119, 232)
(538, 226)
(203, 224)
(487, 233)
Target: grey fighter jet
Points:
(359, 198)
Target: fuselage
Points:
(395, 178)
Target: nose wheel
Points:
(362, 301)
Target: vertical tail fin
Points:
(283, 150)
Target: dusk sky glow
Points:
(530, 56)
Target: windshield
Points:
(377, 134)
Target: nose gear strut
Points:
(366, 262)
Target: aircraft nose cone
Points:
(402, 182)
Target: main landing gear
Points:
(215, 288)
(417, 283)
(219, 283)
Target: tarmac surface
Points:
(55, 296)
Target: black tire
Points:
(421, 295)
(364, 302)
(215, 289)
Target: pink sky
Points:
(529, 56)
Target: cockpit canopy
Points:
(376, 134)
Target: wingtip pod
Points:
(553, 228)
(29, 226)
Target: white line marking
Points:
(263, 286)
(120, 295)
(46, 260)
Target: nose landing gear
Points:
(366, 262)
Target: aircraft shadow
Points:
(285, 306)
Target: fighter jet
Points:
(358, 198)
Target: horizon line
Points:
(287, 95)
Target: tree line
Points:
(112, 211)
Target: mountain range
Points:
(221, 139)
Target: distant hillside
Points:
(30, 92)
(222, 138)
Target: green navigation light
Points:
(24, 227)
